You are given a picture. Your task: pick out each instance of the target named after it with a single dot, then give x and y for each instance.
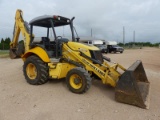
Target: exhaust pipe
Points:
(133, 86)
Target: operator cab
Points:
(52, 24)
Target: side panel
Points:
(59, 70)
(37, 51)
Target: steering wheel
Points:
(60, 37)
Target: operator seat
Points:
(46, 42)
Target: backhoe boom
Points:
(20, 26)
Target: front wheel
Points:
(35, 71)
(78, 80)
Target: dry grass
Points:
(4, 54)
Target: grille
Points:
(97, 55)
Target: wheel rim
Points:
(75, 81)
(31, 71)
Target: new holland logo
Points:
(95, 68)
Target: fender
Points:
(40, 52)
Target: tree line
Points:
(5, 43)
(140, 44)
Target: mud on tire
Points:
(35, 71)
(78, 80)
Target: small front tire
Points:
(78, 80)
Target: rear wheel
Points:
(35, 71)
(78, 80)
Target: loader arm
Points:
(108, 74)
(19, 26)
(131, 85)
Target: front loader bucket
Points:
(133, 86)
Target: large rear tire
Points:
(78, 80)
(35, 71)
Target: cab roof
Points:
(44, 21)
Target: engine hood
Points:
(78, 46)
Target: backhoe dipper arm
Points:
(20, 26)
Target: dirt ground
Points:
(53, 100)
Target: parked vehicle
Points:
(103, 48)
(96, 42)
(91, 41)
(115, 48)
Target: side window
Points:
(39, 31)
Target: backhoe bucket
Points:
(12, 54)
(133, 86)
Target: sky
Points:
(106, 18)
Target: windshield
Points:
(63, 31)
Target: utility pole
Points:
(123, 35)
(133, 38)
(91, 32)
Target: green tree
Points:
(2, 40)
(5, 44)
(7, 41)
(120, 44)
(21, 41)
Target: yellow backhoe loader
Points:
(76, 62)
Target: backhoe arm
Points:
(20, 26)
